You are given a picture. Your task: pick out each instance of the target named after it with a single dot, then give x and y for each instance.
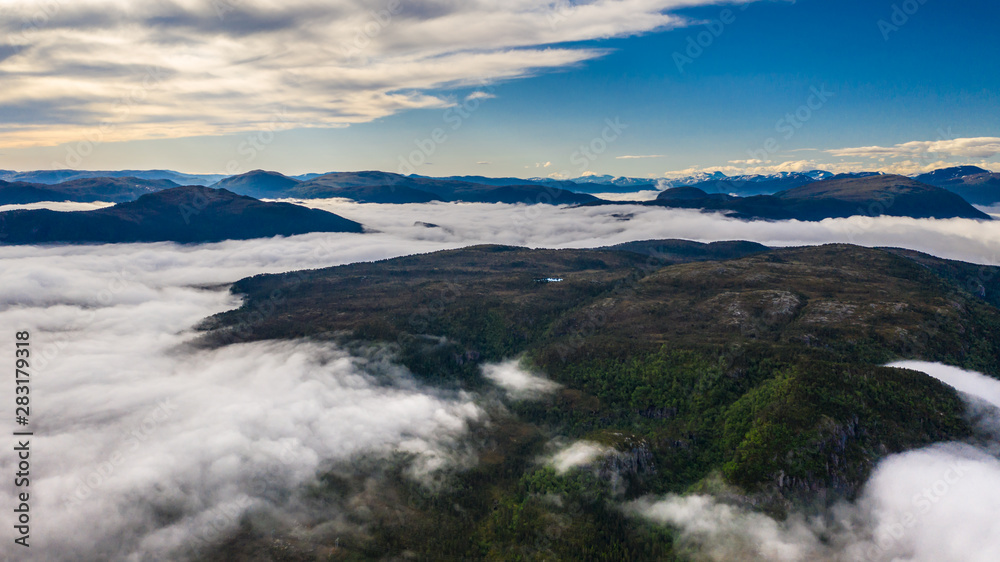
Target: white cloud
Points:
(978, 147)
(720, 533)
(578, 454)
(137, 424)
(155, 69)
(747, 167)
(645, 195)
(637, 157)
(479, 95)
(517, 382)
(968, 382)
(57, 206)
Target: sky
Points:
(643, 88)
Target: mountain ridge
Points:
(838, 197)
(189, 214)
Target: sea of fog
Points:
(146, 446)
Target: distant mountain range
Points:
(49, 177)
(386, 187)
(837, 197)
(776, 196)
(179, 214)
(756, 184)
(975, 185)
(483, 180)
(83, 190)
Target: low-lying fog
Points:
(459, 224)
(935, 504)
(583, 227)
(143, 442)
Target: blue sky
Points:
(588, 88)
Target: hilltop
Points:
(837, 197)
(750, 371)
(180, 214)
(82, 190)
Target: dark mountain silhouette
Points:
(483, 180)
(691, 193)
(683, 251)
(945, 175)
(58, 176)
(744, 188)
(840, 196)
(386, 187)
(181, 214)
(975, 185)
(84, 190)
(259, 184)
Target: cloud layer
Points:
(561, 227)
(979, 147)
(153, 448)
(111, 70)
